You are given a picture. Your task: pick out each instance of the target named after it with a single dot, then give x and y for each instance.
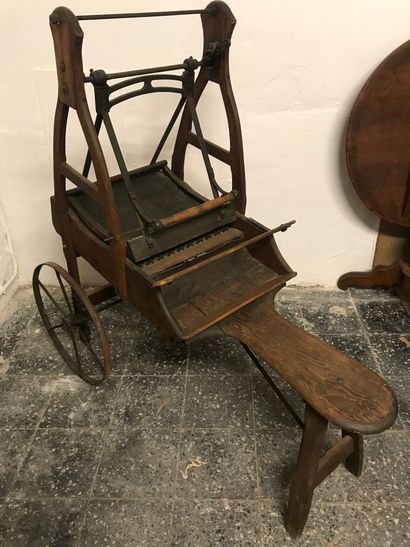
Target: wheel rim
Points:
(73, 324)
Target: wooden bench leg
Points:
(305, 475)
(314, 465)
(354, 462)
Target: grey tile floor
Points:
(109, 465)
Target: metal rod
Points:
(143, 79)
(138, 72)
(205, 156)
(168, 130)
(107, 305)
(121, 164)
(275, 388)
(231, 250)
(146, 89)
(142, 14)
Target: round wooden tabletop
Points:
(378, 139)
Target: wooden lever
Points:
(192, 212)
(231, 250)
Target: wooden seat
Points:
(219, 289)
(335, 387)
(341, 389)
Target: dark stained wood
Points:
(197, 248)
(101, 295)
(304, 477)
(117, 244)
(354, 462)
(378, 160)
(213, 149)
(59, 157)
(68, 37)
(98, 253)
(378, 139)
(77, 178)
(218, 23)
(341, 389)
(333, 457)
(312, 467)
(266, 251)
(379, 276)
(210, 281)
(219, 304)
(247, 243)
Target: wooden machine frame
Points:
(203, 268)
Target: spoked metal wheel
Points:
(72, 323)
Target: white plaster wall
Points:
(296, 68)
(8, 265)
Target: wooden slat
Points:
(102, 294)
(140, 170)
(333, 457)
(213, 149)
(189, 252)
(81, 182)
(223, 306)
(227, 252)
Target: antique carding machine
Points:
(191, 265)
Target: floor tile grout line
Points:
(30, 443)
(123, 427)
(195, 499)
(366, 336)
(171, 523)
(187, 375)
(258, 489)
(106, 429)
(182, 416)
(254, 434)
(375, 358)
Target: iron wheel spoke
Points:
(77, 355)
(73, 322)
(67, 300)
(56, 304)
(93, 353)
(55, 327)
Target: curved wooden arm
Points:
(68, 38)
(218, 24)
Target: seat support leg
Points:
(354, 462)
(305, 475)
(72, 266)
(71, 259)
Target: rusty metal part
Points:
(76, 315)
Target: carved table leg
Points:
(379, 276)
(304, 479)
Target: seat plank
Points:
(202, 306)
(341, 389)
(190, 251)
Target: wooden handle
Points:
(194, 211)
